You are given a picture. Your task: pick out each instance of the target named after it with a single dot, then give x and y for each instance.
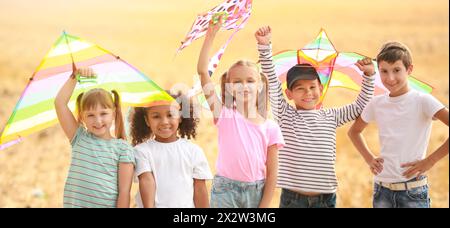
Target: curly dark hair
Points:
(140, 132)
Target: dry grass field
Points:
(146, 33)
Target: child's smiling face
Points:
(164, 121)
(98, 121)
(395, 77)
(244, 83)
(305, 93)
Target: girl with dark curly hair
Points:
(171, 169)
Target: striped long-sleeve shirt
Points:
(307, 162)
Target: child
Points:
(307, 164)
(102, 166)
(167, 162)
(248, 141)
(404, 119)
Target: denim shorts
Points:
(411, 198)
(227, 193)
(291, 199)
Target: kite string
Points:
(326, 67)
(334, 67)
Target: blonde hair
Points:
(263, 96)
(94, 97)
(393, 51)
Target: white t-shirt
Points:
(404, 125)
(174, 166)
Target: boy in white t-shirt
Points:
(404, 119)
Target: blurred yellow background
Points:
(146, 33)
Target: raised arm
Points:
(277, 100)
(352, 111)
(66, 119)
(208, 86)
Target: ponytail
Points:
(78, 107)
(120, 129)
(262, 103)
(226, 95)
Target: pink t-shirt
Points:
(243, 146)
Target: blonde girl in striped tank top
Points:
(102, 165)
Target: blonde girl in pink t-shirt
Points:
(248, 142)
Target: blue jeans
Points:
(290, 199)
(227, 193)
(411, 198)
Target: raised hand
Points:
(86, 72)
(214, 25)
(264, 35)
(366, 66)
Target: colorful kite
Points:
(336, 69)
(236, 14)
(35, 109)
